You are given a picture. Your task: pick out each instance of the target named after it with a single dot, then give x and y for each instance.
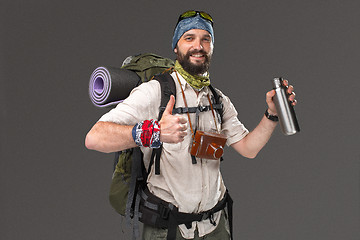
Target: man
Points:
(192, 188)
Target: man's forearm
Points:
(109, 137)
(251, 145)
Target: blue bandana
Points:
(187, 24)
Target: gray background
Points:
(299, 187)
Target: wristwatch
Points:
(271, 117)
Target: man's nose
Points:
(197, 44)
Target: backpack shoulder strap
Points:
(168, 88)
(217, 101)
(218, 107)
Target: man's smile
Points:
(197, 57)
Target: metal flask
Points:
(286, 113)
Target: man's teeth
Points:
(197, 55)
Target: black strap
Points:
(184, 218)
(230, 213)
(193, 159)
(168, 88)
(217, 100)
(136, 227)
(136, 177)
(155, 155)
(162, 214)
(182, 110)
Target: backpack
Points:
(146, 66)
(129, 170)
(130, 175)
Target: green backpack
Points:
(147, 65)
(129, 170)
(130, 174)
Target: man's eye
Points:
(188, 38)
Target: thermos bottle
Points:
(286, 113)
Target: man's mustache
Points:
(196, 51)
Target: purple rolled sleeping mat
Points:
(107, 86)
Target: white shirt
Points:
(191, 187)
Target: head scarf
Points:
(187, 24)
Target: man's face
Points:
(194, 50)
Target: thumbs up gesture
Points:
(173, 129)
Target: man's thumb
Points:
(170, 105)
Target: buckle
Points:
(202, 108)
(164, 211)
(210, 216)
(205, 216)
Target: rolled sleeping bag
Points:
(109, 86)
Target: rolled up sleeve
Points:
(231, 125)
(142, 104)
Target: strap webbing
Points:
(168, 216)
(217, 101)
(136, 175)
(230, 213)
(182, 110)
(168, 88)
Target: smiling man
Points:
(194, 51)
(190, 194)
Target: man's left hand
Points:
(271, 94)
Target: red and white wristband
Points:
(147, 134)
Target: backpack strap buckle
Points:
(165, 210)
(209, 215)
(205, 216)
(203, 108)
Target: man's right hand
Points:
(173, 129)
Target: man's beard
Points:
(194, 69)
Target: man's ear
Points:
(175, 50)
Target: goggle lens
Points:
(192, 13)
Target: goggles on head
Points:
(192, 13)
